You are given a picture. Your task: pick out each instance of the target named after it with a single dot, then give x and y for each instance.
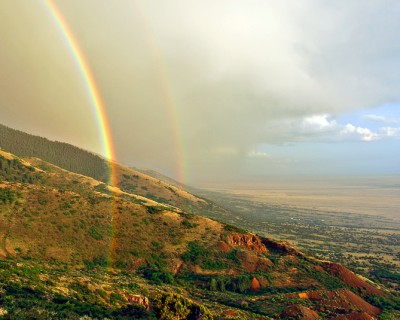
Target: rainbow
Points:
(98, 107)
(89, 82)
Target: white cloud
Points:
(318, 123)
(324, 128)
(360, 133)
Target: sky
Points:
(212, 90)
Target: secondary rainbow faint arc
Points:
(165, 85)
(90, 84)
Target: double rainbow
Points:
(96, 101)
(99, 109)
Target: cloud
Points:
(364, 134)
(381, 119)
(324, 128)
(390, 131)
(204, 82)
(317, 123)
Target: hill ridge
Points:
(65, 237)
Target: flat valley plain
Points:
(351, 220)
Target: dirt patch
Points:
(223, 246)
(356, 316)
(300, 312)
(229, 313)
(248, 260)
(334, 300)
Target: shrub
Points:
(174, 306)
(157, 275)
(95, 234)
(214, 264)
(194, 253)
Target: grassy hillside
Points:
(71, 246)
(38, 149)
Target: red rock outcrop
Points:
(283, 246)
(255, 285)
(134, 299)
(247, 241)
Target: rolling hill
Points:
(72, 246)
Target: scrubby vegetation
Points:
(71, 247)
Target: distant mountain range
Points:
(74, 247)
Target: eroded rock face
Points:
(247, 241)
(283, 246)
(134, 299)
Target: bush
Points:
(96, 262)
(174, 306)
(157, 275)
(194, 253)
(214, 264)
(133, 312)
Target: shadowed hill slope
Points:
(61, 154)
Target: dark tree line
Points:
(61, 154)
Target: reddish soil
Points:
(341, 299)
(253, 263)
(351, 279)
(319, 268)
(223, 246)
(230, 313)
(264, 264)
(248, 260)
(300, 312)
(263, 282)
(356, 316)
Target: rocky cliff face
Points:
(247, 241)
